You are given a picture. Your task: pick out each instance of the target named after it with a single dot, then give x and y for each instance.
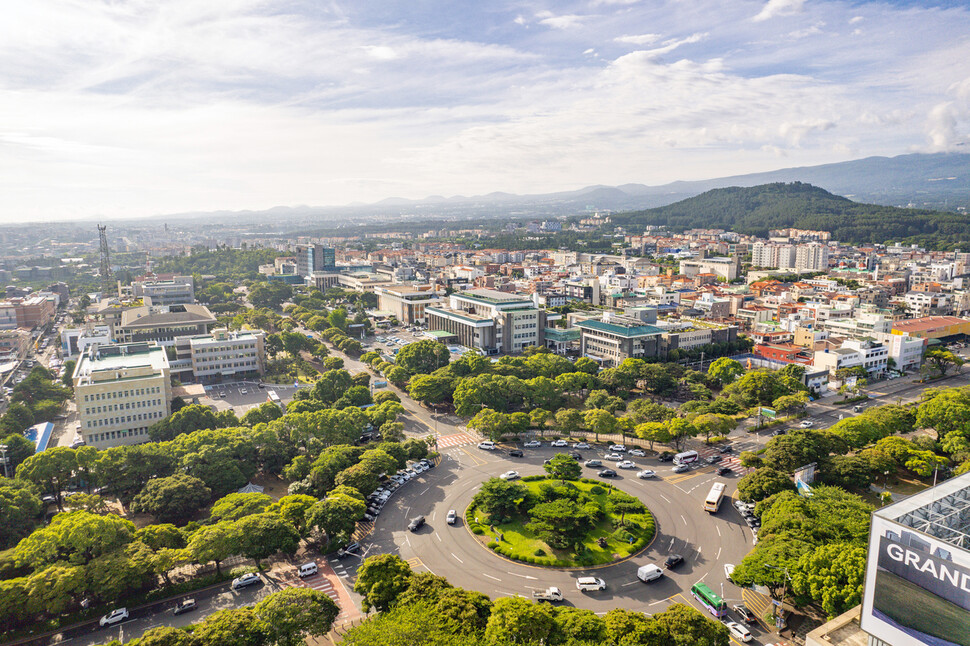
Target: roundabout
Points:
(707, 542)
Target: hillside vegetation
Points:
(757, 209)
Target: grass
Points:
(520, 544)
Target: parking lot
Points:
(240, 396)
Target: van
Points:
(687, 457)
(648, 573)
(487, 445)
(308, 569)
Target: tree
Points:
(576, 624)
(406, 625)
(831, 576)
(563, 467)
(499, 499)
(560, 523)
(467, 609)
(338, 319)
(76, 537)
(685, 626)
(237, 626)
(294, 508)
(796, 449)
(19, 448)
(711, 424)
(293, 614)
(791, 403)
(628, 628)
(173, 499)
(943, 360)
(20, 511)
(236, 505)
(336, 516)
(17, 419)
(848, 472)
(262, 535)
(423, 357)
(642, 411)
(587, 365)
(163, 636)
(331, 386)
(50, 470)
(569, 420)
(600, 421)
(946, 412)
(679, 430)
(763, 483)
(724, 370)
(161, 536)
(538, 418)
(261, 414)
(189, 419)
(381, 580)
(515, 620)
(653, 432)
(430, 389)
(214, 543)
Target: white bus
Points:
(714, 498)
(686, 457)
(273, 398)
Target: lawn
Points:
(519, 543)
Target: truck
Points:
(549, 594)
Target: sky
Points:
(129, 108)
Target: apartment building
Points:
(726, 268)
(121, 390)
(811, 257)
(871, 355)
(28, 312)
(221, 355)
(406, 303)
(14, 344)
(497, 322)
(163, 324)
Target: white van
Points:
(687, 457)
(648, 573)
(487, 445)
(308, 569)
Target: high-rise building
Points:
(315, 257)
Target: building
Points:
(688, 334)
(221, 355)
(28, 312)
(121, 390)
(163, 324)
(315, 257)
(494, 321)
(811, 257)
(905, 351)
(871, 355)
(407, 304)
(179, 290)
(917, 585)
(14, 345)
(932, 327)
(773, 256)
(726, 268)
(614, 338)
(76, 340)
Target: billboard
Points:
(917, 588)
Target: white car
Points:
(487, 445)
(618, 448)
(626, 464)
(646, 473)
(510, 475)
(738, 631)
(115, 616)
(590, 583)
(245, 580)
(580, 445)
(613, 456)
(728, 570)
(559, 443)
(532, 444)
(638, 453)
(243, 391)
(806, 424)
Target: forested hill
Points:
(754, 210)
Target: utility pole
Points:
(6, 467)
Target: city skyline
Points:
(129, 110)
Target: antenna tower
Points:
(105, 263)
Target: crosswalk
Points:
(456, 439)
(701, 467)
(325, 581)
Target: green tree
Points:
(499, 499)
(381, 580)
(294, 508)
(189, 419)
(17, 419)
(688, 627)
(331, 386)
(569, 420)
(51, 471)
(215, 543)
(680, 430)
(711, 424)
(19, 448)
(236, 505)
(423, 357)
(831, 576)
(563, 467)
(943, 360)
(161, 536)
(237, 626)
(430, 389)
(515, 620)
(293, 614)
(946, 412)
(173, 499)
(641, 411)
(261, 414)
(579, 625)
(763, 483)
(587, 365)
(796, 449)
(20, 511)
(336, 516)
(600, 421)
(724, 370)
(163, 636)
(629, 628)
(76, 537)
(467, 609)
(262, 535)
(560, 523)
(406, 625)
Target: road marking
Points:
(683, 519)
(456, 558)
(718, 554)
(718, 530)
(438, 537)
(672, 542)
(658, 601)
(666, 498)
(494, 578)
(524, 576)
(630, 583)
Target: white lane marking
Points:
(718, 530)
(656, 602)
(438, 537)
(524, 576)
(718, 554)
(456, 558)
(665, 498)
(408, 511)
(683, 519)
(630, 583)
(425, 490)
(672, 542)
(705, 575)
(494, 578)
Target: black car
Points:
(353, 548)
(727, 448)
(714, 459)
(666, 456)
(185, 606)
(780, 431)
(260, 385)
(673, 560)
(516, 453)
(575, 455)
(746, 615)
(416, 524)
(723, 471)
(607, 473)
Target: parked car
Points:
(487, 445)
(416, 524)
(607, 473)
(248, 579)
(727, 448)
(593, 463)
(673, 560)
(613, 457)
(452, 517)
(806, 424)
(516, 453)
(559, 443)
(580, 445)
(114, 617)
(746, 615)
(510, 475)
(575, 455)
(619, 448)
(640, 453)
(532, 444)
(646, 473)
(626, 464)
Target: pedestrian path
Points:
(327, 582)
(457, 439)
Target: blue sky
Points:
(111, 108)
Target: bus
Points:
(273, 398)
(714, 604)
(713, 501)
(686, 457)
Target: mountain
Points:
(757, 209)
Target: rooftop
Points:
(492, 296)
(621, 326)
(942, 512)
(927, 323)
(166, 315)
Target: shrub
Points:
(540, 552)
(597, 490)
(493, 546)
(477, 530)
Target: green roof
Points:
(558, 334)
(620, 330)
(440, 334)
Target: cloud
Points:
(855, 20)
(944, 119)
(779, 8)
(566, 21)
(640, 39)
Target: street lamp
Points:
(3, 453)
(784, 591)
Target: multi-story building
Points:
(163, 324)
(871, 355)
(811, 257)
(613, 338)
(180, 290)
(865, 324)
(932, 327)
(491, 320)
(919, 304)
(76, 340)
(726, 268)
(29, 312)
(14, 344)
(121, 390)
(8, 316)
(780, 256)
(315, 257)
(406, 303)
(221, 355)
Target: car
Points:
(370, 518)
(487, 445)
(714, 459)
(778, 432)
(260, 386)
(673, 560)
(510, 475)
(516, 453)
(243, 391)
(666, 456)
(593, 463)
(746, 615)
(740, 504)
(649, 572)
(618, 448)
(738, 631)
(575, 455)
(680, 468)
(640, 453)
(646, 473)
(626, 464)
(728, 570)
(590, 583)
(613, 457)
(115, 616)
(353, 548)
(723, 471)
(307, 569)
(559, 443)
(607, 473)
(452, 517)
(532, 444)
(250, 578)
(416, 524)
(580, 445)
(806, 424)
(223, 395)
(727, 448)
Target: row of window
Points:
(110, 408)
(124, 419)
(240, 346)
(114, 435)
(122, 394)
